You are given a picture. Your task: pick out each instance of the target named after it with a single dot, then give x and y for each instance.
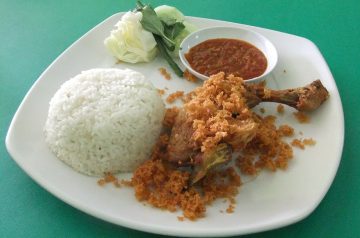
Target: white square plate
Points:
(271, 200)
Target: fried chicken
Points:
(216, 119)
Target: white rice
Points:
(104, 120)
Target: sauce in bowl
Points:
(230, 56)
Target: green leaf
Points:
(167, 57)
(163, 34)
(172, 31)
(152, 23)
(139, 5)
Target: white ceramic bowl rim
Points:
(241, 33)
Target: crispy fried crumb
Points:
(189, 77)
(309, 141)
(173, 96)
(280, 109)
(170, 116)
(161, 92)
(302, 143)
(109, 178)
(286, 130)
(165, 73)
(230, 209)
(218, 112)
(262, 110)
(117, 183)
(125, 182)
(101, 182)
(246, 164)
(181, 218)
(301, 117)
(165, 187)
(297, 143)
(266, 150)
(187, 97)
(215, 112)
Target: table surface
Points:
(34, 33)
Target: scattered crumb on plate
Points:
(161, 91)
(286, 130)
(309, 141)
(302, 143)
(273, 153)
(190, 77)
(230, 209)
(297, 143)
(280, 109)
(301, 117)
(109, 178)
(173, 96)
(165, 73)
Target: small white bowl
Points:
(254, 38)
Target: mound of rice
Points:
(104, 120)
